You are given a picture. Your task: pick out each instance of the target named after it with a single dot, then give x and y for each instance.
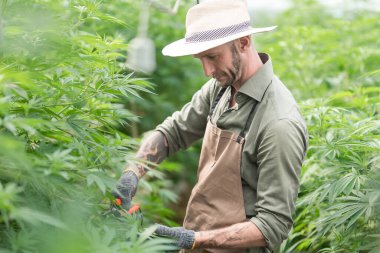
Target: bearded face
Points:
(222, 63)
(228, 75)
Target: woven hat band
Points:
(217, 33)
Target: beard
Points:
(231, 74)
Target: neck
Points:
(257, 63)
(250, 65)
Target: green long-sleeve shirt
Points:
(274, 149)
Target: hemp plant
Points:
(63, 91)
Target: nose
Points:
(208, 67)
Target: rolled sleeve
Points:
(280, 154)
(188, 125)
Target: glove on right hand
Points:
(184, 237)
(126, 188)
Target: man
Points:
(254, 139)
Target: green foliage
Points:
(63, 86)
(339, 205)
(316, 53)
(331, 63)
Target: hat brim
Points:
(182, 48)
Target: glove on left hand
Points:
(127, 187)
(184, 237)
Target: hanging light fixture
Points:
(141, 49)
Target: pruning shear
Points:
(117, 210)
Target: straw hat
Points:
(213, 23)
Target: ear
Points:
(244, 43)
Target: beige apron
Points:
(216, 200)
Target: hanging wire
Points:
(143, 20)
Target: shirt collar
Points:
(256, 86)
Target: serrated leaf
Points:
(91, 178)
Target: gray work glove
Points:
(126, 188)
(184, 238)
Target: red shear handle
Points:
(132, 210)
(117, 202)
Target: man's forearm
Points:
(154, 149)
(241, 235)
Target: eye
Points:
(211, 56)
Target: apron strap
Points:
(247, 123)
(220, 94)
(249, 119)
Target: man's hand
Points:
(184, 237)
(154, 149)
(126, 188)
